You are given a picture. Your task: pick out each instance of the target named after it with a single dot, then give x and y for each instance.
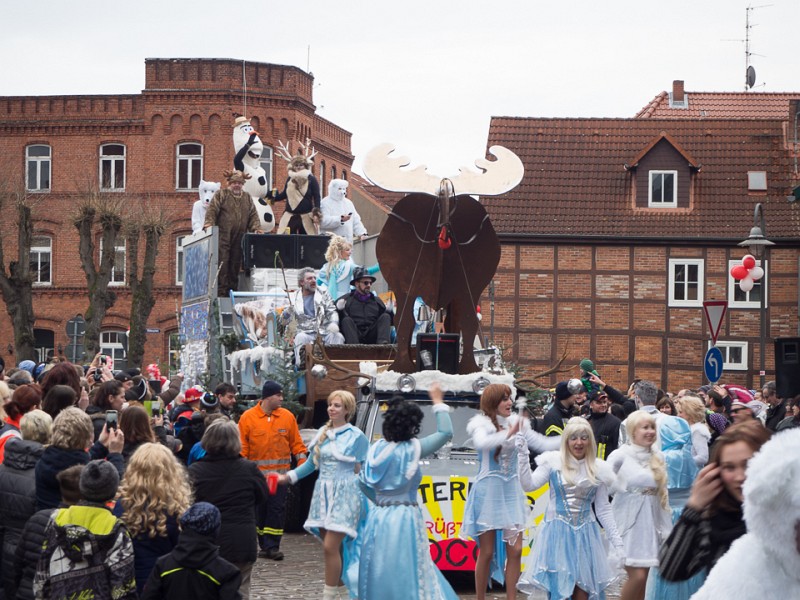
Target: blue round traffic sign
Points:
(713, 364)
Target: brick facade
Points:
(184, 100)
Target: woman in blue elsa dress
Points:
(676, 446)
(396, 562)
(496, 503)
(336, 274)
(569, 558)
(337, 505)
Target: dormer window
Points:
(663, 189)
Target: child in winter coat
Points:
(194, 568)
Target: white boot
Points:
(343, 593)
(330, 592)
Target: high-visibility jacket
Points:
(270, 440)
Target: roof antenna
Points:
(749, 70)
(244, 89)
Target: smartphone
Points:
(111, 419)
(157, 411)
(98, 375)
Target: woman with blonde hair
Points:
(641, 504)
(338, 451)
(154, 493)
(692, 409)
(569, 558)
(336, 274)
(496, 503)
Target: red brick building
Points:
(622, 227)
(151, 147)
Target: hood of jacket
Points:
(22, 455)
(194, 549)
(85, 530)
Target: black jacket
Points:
(617, 397)
(54, 460)
(28, 552)
(775, 415)
(554, 419)
(364, 314)
(194, 570)
(236, 487)
(17, 500)
(605, 427)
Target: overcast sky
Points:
(426, 75)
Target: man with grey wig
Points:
(645, 393)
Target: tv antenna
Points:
(749, 70)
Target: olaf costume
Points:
(765, 562)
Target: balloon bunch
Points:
(747, 273)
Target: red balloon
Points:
(748, 261)
(739, 272)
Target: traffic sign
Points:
(715, 312)
(713, 364)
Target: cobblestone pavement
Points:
(299, 575)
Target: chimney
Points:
(677, 91)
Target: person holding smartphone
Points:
(339, 215)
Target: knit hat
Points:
(193, 394)
(27, 365)
(270, 388)
(361, 273)
(99, 481)
(587, 365)
(140, 389)
(562, 392)
(203, 518)
(209, 400)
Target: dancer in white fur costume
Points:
(206, 190)
(765, 562)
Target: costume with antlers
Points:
(233, 212)
(301, 192)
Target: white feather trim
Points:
(550, 459)
(605, 473)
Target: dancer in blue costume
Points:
(496, 502)
(336, 274)
(337, 506)
(396, 562)
(569, 558)
(676, 446)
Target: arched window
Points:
(189, 166)
(112, 167)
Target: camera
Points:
(98, 376)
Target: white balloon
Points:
(756, 273)
(746, 284)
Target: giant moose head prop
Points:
(439, 243)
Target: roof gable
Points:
(668, 138)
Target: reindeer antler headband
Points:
(305, 151)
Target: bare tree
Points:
(16, 285)
(151, 225)
(103, 212)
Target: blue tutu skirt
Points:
(494, 503)
(565, 556)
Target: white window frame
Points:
(179, 263)
(686, 262)
(725, 348)
(733, 285)
(37, 162)
(266, 162)
(193, 162)
(121, 253)
(110, 345)
(36, 253)
(115, 163)
(662, 203)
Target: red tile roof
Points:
(575, 183)
(721, 105)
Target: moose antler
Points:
(496, 177)
(308, 150)
(284, 152)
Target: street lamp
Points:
(758, 245)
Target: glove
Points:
(522, 444)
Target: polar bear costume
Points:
(765, 562)
(206, 189)
(249, 147)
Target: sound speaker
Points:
(787, 367)
(438, 351)
(296, 251)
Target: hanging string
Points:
(244, 90)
